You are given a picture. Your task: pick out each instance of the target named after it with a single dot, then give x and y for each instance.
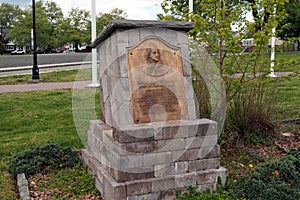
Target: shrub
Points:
(202, 95)
(38, 158)
(277, 179)
(249, 114)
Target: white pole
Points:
(93, 15)
(94, 50)
(273, 39)
(272, 74)
(191, 9)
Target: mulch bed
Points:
(240, 160)
(38, 192)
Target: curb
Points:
(23, 187)
(9, 69)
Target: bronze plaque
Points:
(156, 82)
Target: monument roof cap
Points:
(131, 24)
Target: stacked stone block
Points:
(152, 160)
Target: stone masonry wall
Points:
(159, 163)
(115, 100)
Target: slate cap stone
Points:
(132, 24)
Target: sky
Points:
(135, 9)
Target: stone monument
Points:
(149, 143)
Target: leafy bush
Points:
(277, 179)
(38, 158)
(250, 113)
(202, 94)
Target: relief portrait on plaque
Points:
(156, 82)
(154, 67)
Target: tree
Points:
(213, 21)
(21, 31)
(249, 102)
(48, 18)
(9, 14)
(75, 27)
(55, 18)
(104, 18)
(290, 26)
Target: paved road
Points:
(27, 60)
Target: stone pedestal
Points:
(149, 143)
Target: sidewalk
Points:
(43, 86)
(69, 85)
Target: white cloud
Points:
(135, 9)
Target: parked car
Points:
(52, 50)
(86, 50)
(18, 52)
(48, 50)
(69, 51)
(40, 51)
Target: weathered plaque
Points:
(156, 82)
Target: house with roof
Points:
(9, 45)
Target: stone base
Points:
(152, 188)
(155, 160)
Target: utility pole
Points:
(1, 36)
(35, 68)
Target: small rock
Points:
(287, 134)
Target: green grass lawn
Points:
(287, 55)
(284, 62)
(290, 61)
(59, 76)
(287, 101)
(31, 118)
